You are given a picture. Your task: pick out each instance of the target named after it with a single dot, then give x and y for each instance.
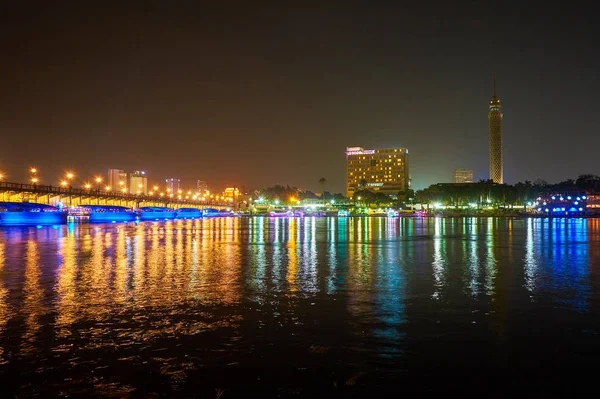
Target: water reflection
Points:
(239, 285)
(557, 261)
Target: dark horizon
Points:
(258, 96)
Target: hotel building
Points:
(382, 170)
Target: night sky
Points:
(258, 95)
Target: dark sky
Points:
(257, 94)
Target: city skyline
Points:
(169, 89)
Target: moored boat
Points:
(226, 212)
(558, 204)
(110, 213)
(281, 213)
(188, 213)
(210, 212)
(30, 213)
(156, 213)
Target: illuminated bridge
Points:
(52, 195)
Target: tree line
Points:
(486, 191)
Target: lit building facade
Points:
(138, 183)
(173, 184)
(495, 119)
(380, 170)
(117, 179)
(231, 193)
(463, 176)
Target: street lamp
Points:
(98, 180)
(34, 178)
(70, 176)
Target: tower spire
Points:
(495, 118)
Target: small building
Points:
(463, 176)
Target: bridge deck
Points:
(47, 194)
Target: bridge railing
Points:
(94, 192)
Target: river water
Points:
(277, 307)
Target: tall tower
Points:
(495, 118)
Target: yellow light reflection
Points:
(33, 298)
(67, 303)
(5, 309)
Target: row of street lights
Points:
(69, 176)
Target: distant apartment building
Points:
(173, 184)
(201, 186)
(138, 182)
(382, 170)
(117, 179)
(463, 176)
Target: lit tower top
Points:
(495, 118)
